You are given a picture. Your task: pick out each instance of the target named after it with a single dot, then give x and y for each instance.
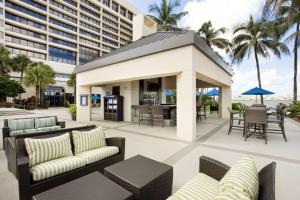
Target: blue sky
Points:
(277, 75)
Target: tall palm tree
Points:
(287, 13)
(212, 36)
(5, 61)
(165, 14)
(256, 37)
(39, 76)
(72, 83)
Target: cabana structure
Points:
(179, 61)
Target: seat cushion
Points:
(20, 124)
(55, 167)
(242, 178)
(98, 154)
(45, 122)
(88, 140)
(23, 132)
(231, 194)
(42, 150)
(51, 128)
(201, 187)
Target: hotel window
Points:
(23, 31)
(24, 42)
(109, 28)
(62, 33)
(62, 42)
(89, 34)
(1, 23)
(110, 15)
(24, 21)
(87, 54)
(58, 23)
(35, 4)
(88, 42)
(89, 11)
(110, 22)
(62, 77)
(91, 5)
(115, 6)
(108, 48)
(123, 11)
(109, 41)
(60, 15)
(89, 19)
(109, 35)
(90, 27)
(25, 10)
(73, 3)
(1, 11)
(62, 55)
(28, 53)
(63, 7)
(106, 2)
(1, 35)
(130, 15)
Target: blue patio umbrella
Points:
(214, 92)
(257, 91)
(169, 94)
(198, 94)
(95, 97)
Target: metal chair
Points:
(201, 114)
(279, 119)
(233, 118)
(256, 123)
(144, 114)
(157, 113)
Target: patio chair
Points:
(157, 113)
(144, 114)
(233, 118)
(201, 114)
(256, 123)
(279, 119)
(259, 106)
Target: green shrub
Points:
(72, 110)
(67, 103)
(294, 109)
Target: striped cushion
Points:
(98, 154)
(45, 122)
(201, 187)
(16, 133)
(20, 124)
(42, 150)
(242, 178)
(51, 128)
(88, 140)
(231, 194)
(55, 167)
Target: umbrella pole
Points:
(256, 99)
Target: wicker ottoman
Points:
(94, 186)
(147, 179)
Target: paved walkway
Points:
(160, 144)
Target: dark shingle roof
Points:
(157, 42)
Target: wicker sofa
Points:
(11, 148)
(216, 170)
(28, 188)
(29, 126)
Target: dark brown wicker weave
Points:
(90, 187)
(28, 188)
(217, 170)
(145, 178)
(11, 150)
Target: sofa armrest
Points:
(213, 168)
(62, 124)
(117, 141)
(24, 177)
(5, 134)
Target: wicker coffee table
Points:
(147, 179)
(94, 186)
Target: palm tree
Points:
(165, 16)
(288, 14)
(5, 61)
(256, 37)
(72, 83)
(39, 76)
(211, 36)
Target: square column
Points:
(186, 105)
(225, 100)
(83, 112)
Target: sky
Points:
(277, 74)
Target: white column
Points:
(225, 100)
(163, 88)
(83, 112)
(186, 105)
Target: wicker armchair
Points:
(217, 170)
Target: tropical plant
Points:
(256, 37)
(9, 88)
(165, 14)
(72, 110)
(212, 36)
(72, 83)
(5, 61)
(294, 109)
(39, 76)
(19, 63)
(287, 13)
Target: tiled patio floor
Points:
(161, 144)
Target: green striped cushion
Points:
(20, 124)
(98, 154)
(45, 122)
(201, 187)
(51, 128)
(55, 167)
(231, 194)
(42, 150)
(242, 178)
(88, 140)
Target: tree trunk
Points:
(37, 92)
(258, 74)
(296, 63)
(21, 80)
(75, 94)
